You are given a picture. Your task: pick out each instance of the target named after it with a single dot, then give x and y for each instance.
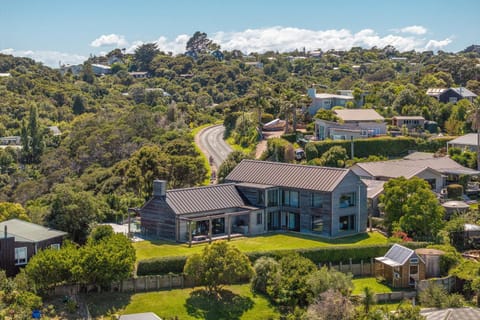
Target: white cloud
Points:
(287, 39)
(48, 58)
(437, 44)
(418, 30)
(109, 40)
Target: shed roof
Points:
(287, 175)
(397, 256)
(358, 115)
(203, 199)
(29, 232)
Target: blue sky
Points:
(69, 31)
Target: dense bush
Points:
(454, 191)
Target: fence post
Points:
(361, 267)
(340, 266)
(372, 267)
(351, 267)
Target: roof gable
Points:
(29, 232)
(203, 199)
(287, 175)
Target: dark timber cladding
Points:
(287, 175)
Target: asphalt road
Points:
(210, 141)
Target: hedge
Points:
(165, 265)
(159, 266)
(384, 146)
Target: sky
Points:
(68, 31)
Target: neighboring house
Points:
(100, 69)
(256, 64)
(410, 122)
(352, 124)
(259, 197)
(21, 240)
(11, 140)
(139, 74)
(358, 103)
(452, 95)
(5, 74)
(437, 171)
(326, 100)
(74, 69)
(401, 267)
(466, 142)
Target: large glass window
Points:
(290, 198)
(272, 198)
(316, 200)
(259, 218)
(21, 255)
(317, 224)
(346, 223)
(347, 200)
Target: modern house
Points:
(412, 123)
(352, 124)
(20, 240)
(259, 197)
(401, 267)
(139, 74)
(452, 95)
(326, 100)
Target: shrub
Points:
(454, 191)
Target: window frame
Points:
(17, 260)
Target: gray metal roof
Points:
(396, 256)
(466, 140)
(29, 232)
(374, 187)
(410, 166)
(358, 115)
(140, 316)
(464, 92)
(466, 313)
(204, 199)
(287, 175)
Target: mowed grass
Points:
(271, 241)
(360, 283)
(236, 302)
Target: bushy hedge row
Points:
(384, 146)
(165, 265)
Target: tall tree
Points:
(200, 43)
(144, 55)
(219, 264)
(32, 138)
(412, 206)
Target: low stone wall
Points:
(395, 296)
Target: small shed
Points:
(401, 267)
(432, 261)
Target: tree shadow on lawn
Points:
(227, 306)
(100, 304)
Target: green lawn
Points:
(271, 241)
(237, 302)
(377, 287)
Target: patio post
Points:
(209, 229)
(229, 226)
(189, 233)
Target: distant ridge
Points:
(473, 48)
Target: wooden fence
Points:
(361, 269)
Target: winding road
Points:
(210, 141)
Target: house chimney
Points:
(159, 188)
